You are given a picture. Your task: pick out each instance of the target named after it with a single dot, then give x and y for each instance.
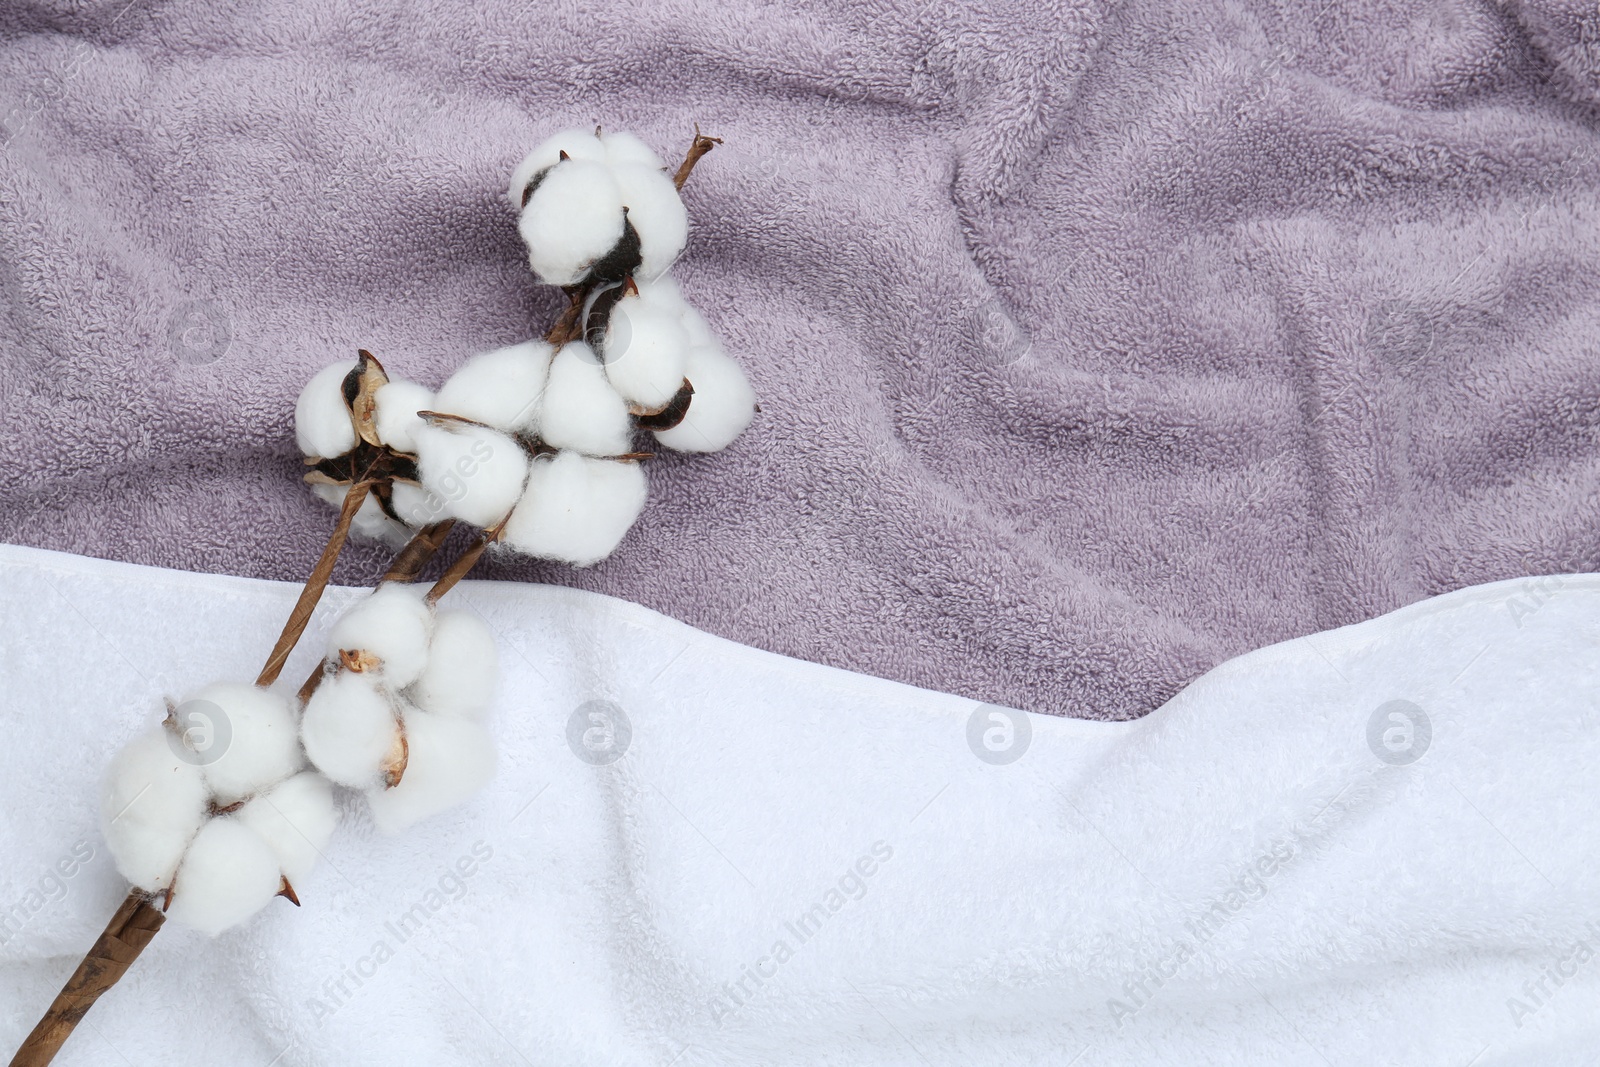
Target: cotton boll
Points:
(500, 388)
(228, 874)
(657, 213)
(573, 219)
(349, 729)
(581, 410)
(152, 803)
(463, 667)
(394, 624)
(295, 819)
(370, 521)
(243, 738)
(415, 505)
(395, 413)
(576, 508)
(662, 292)
(577, 144)
(321, 418)
(722, 407)
(624, 147)
(694, 323)
(450, 760)
(645, 348)
(471, 473)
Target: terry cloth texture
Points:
(1372, 845)
(1095, 343)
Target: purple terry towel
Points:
(1096, 343)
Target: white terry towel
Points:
(1375, 845)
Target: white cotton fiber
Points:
(295, 819)
(663, 293)
(577, 144)
(645, 348)
(243, 737)
(463, 667)
(228, 874)
(473, 473)
(576, 508)
(694, 323)
(349, 729)
(499, 388)
(722, 407)
(573, 218)
(581, 410)
(393, 623)
(370, 521)
(321, 419)
(395, 413)
(451, 759)
(415, 506)
(624, 147)
(657, 213)
(151, 805)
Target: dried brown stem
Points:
(410, 560)
(465, 562)
(307, 603)
(698, 148)
(125, 936)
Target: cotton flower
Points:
(321, 416)
(213, 810)
(723, 402)
(295, 818)
(644, 347)
(153, 804)
(577, 508)
(351, 730)
(228, 874)
(385, 633)
(722, 407)
(396, 407)
(581, 410)
(450, 760)
(253, 739)
(597, 207)
(573, 219)
(572, 144)
(412, 750)
(657, 213)
(462, 670)
(500, 389)
(472, 473)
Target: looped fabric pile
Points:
(1095, 343)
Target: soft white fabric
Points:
(1338, 909)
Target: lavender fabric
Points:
(1095, 342)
